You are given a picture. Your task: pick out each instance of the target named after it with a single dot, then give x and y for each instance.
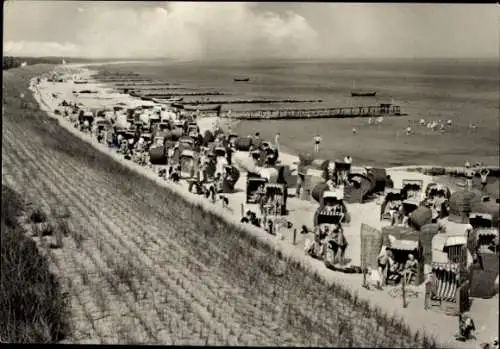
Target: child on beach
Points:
(484, 178)
(317, 141)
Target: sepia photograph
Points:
(279, 174)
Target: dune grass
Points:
(303, 301)
(33, 308)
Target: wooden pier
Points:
(317, 113)
(252, 101)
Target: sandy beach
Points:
(443, 327)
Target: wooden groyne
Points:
(318, 113)
(174, 94)
(144, 84)
(163, 89)
(254, 101)
(106, 80)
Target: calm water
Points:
(462, 91)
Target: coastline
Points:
(282, 246)
(427, 169)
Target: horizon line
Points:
(253, 59)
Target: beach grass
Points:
(34, 309)
(278, 290)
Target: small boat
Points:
(80, 81)
(241, 79)
(363, 93)
(360, 93)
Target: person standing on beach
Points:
(469, 175)
(277, 141)
(317, 141)
(484, 178)
(229, 154)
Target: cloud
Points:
(42, 49)
(236, 30)
(186, 30)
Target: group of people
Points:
(269, 204)
(207, 168)
(388, 268)
(470, 172)
(329, 243)
(264, 153)
(439, 125)
(334, 178)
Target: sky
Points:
(238, 30)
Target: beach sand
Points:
(443, 327)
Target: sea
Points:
(463, 91)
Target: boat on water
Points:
(80, 82)
(361, 93)
(241, 79)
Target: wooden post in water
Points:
(295, 236)
(242, 210)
